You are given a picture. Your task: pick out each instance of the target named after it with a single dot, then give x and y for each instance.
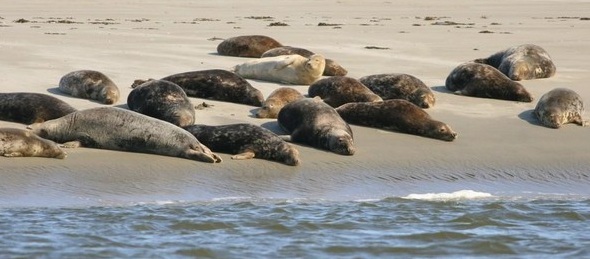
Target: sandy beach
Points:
(500, 147)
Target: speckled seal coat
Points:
(29, 108)
(162, 100)
(523, 62)
(332, 68)
(397, 115)
(90, 84)
(216, 84)
(287, 69)
(400, 86)
(560, 106)
(124, 130)
(246, 141)
(23, 143)
(481, 80)
(276, 101)
(313, 122)
(247, 46)
(338, 90)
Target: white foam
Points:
(458, 195)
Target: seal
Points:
(23, 143)
(29, 108)
(560, 106)
(276, 101)
(162, 100)
(246, 141)
(313, 122)
(119, 129)
(332, 68)
(396, 115)
(216, 84)
(400, 86)
(247, 46)
(523, 62)
(90, 84)
(338, 90)
(287, 69)
(481, 80)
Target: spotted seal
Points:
(481, 80)
(397, 115)
(313, 122)
(120, 129)
(338, 90)
(90, 84)
(246, 141)
(522, 62)
(162, 100)
(23, 143)
(332, 68)
(276, 101)
(247, 46)
(400, 86)
(560, 106)
(29, 108)
(287, 69)
(215, 84)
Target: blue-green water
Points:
(550, 226)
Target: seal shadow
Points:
(253, 112)
(123, 106)
(56, 91)
(441, 89)
(274, 127)
(529, 117)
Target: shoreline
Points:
(499, 143)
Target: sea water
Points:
(464, 223)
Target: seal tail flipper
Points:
(243, 156)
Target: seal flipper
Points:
(13, 154)
(71, 144)
(243, 156)
(287, 62)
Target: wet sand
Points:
(500, 147)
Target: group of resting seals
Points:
(160, 119)
(496, 77)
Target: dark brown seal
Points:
(162, 100)
(216, 84)
(29, 108)
(523, 62)
(276, 101)
(246, 141)
(114, 128)
(338, 90)
(397, 115)
(560, 106)
(23, 143)
(400, 86)
(313, 122)
(332, 68)
(247, 46)
(481, 80)
(90, 84)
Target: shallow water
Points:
(459, 224)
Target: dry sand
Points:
(500, 147)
